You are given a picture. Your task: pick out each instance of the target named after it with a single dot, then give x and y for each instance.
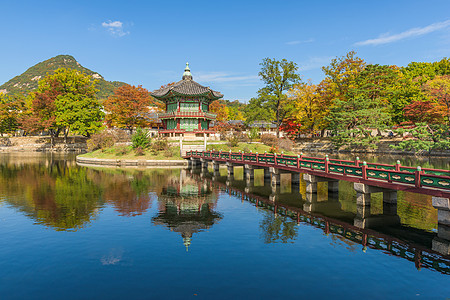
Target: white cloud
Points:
(418, 31)
(300, 42)
(314, 63)
(115, 28)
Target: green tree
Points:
(258, 109)
(363, 108)
(279, 77)
(424, 137)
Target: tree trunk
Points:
(66, 133)
(278, 119)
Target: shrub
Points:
(168, 152)
(102, 140)
(122, 150)
(269, 139)
(106, 139)
(233, 140)
(273, 149)
(159, 144)
(139, 151)
(140, 139)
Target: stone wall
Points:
(42, 144)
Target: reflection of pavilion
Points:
(186, 206)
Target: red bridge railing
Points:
(419, 178)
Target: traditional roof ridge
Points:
(186, 86)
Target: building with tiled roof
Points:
(187, 107)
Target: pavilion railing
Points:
(188, 114)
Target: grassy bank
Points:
(120, 152)
(247, 147)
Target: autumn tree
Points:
(309, 107)
(128, 107)
(64, 100)
(278, 77)
(10, 110)
(423, 111)
(438, 90)
(219, 108)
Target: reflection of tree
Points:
(129, 190)
(51, 192)
(278, 229)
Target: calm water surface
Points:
(72, 232)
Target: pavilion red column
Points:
(199, 124)
(178, 123)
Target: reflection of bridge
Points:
(368, 178)
(420, 255)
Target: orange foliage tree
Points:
(438, 90)
(219, 108)
(129, 107)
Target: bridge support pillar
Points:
(275, 176)
(194, 162)
(443, 236)
(363, 192)
(230, 169)
(215, 166)
(249, 185)
(249, 172)
(312, 180)
(204, 163)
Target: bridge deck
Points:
(433, 182)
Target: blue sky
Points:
(148, 42)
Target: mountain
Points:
(28, 81)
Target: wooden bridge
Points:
(368, 178)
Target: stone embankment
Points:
(42, 144)
(325, 146)
(131, 162)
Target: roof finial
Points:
(187, 73)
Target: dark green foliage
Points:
(140, 139)
(28, 81)
(423, 137)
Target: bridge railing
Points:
(428, 178)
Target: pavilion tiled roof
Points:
(187, 87)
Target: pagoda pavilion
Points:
(187, 107)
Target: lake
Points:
(75, 232)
